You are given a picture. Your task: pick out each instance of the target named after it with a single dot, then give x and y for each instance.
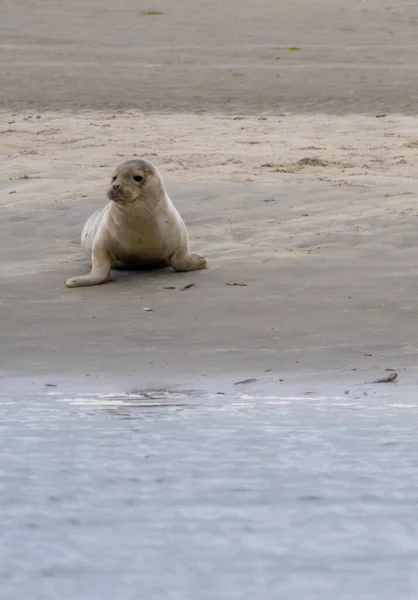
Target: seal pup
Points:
(139, 228)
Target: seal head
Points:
(133, 181)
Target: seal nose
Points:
(116, 187)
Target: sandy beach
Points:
(294, 169)
(246, 431)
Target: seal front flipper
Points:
(99, 272)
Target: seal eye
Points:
(114, 178)
(138, 178)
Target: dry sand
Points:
(315, 213)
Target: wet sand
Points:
(315, 213)
(358, 56)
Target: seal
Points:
(139, 228)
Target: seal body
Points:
(139, 228)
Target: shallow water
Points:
(213, 497)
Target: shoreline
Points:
(136, 390)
